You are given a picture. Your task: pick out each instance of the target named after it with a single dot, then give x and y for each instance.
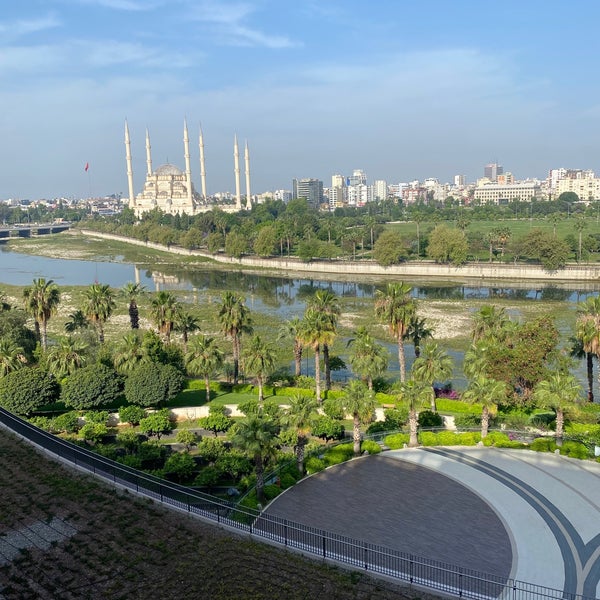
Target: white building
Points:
(494, 193)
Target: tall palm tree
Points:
(557, 392)
(316, 331)
(129, 353)
(12, 357)
(66, 357)
(300, 415)
(395, 308)
(164, 309)
(132, 291)
(41, 302)
(414, 395)
(434, 364)
(98, 306)
(417, 332)
(359, 401)
(235, 320)
(185, 323)
(327, 304)
(587, 331)
(256, 436)
(368, 358)
(77, 320)
(476, 360)
(291, 330)
(489, 320)
(259, 360)
(203, 359)
(487, 392)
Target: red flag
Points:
(87, 166)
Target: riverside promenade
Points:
(519, 514)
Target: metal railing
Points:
(397, 565)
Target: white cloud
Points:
(16, 29)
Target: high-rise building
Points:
(380, 189)
(311, 189)
(358, 178)
(492, 170)
(460, 180)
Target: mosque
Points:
(171, 190)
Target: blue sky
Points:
(404, 90)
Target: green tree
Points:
(133, 291)
(580, 225)
(558, 392)
(216, 421)
(389, 249)
(26, 390)
(129, 353)
(157, 424)
(587, 331)
(542, 246)
(314, 332)
(235, 320)
(266, 241)
(90, 387)
(368, 359)
(259, 360)
(186, 437)
(487, 392)
(359, 401)
(236, 244)
(98, 306)
(13, 329)
(203, 359)
(488, 321)
(185, 323)
(77, 321)
(131, 414)
(395, 308)
(66, 357)
(153, 384)
(164, 308)
(434, 364)
(179, 466)
(41, 302)
(415, 395)
(418, 331)
(299, 417)
(291, 330)
(256, 436)
(12, 357)
(448, 245)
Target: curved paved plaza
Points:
(532, 517)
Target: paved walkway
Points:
(534, 517)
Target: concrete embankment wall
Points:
(421, 269)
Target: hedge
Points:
(396, 440)
(449, 438)
(501, 440)
(370, 446)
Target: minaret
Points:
(202, 169)
(188, 169)
(247, 162)
(129, 167)
(148, 155)
(236, 168)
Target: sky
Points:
(401, 89)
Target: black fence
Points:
(401, 566)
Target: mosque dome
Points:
(168, 169)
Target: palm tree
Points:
(77, 320)
(578, 351)
(299, 415)
(98, 306)
(580, 225)
(186, 323)
(41, 302)
(395, 308)
(476, 360)
(235, 321)
(66, 357)
(489, 320)
(129, 353)
(132, 291)
(327, 304)
(316, 331)
(558, 392)
(415, 395)
(434, 364)
(368, 358)
(12, 357)
(587, 331)
(291, 330)
(417, 332)
(203, 359)
(487, 392)
(256, 436)
(164, 309)
(259, 360)
(359, 401)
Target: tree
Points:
(164, 309)
(26, 390)
(157, 424)
(557, 392)
(389, 249)
(291, 330)
(256, 436)
(368, 359)
(11, 357)
(235, 320)
(131, 414)
(132, 291)
(66, 357)
(186, 437)
(216, 421)
(236, 244)
(542, 246)
(203, 359)
(314, 332)
(299, 416)
(90, 387)
(580, 225)
(433, 364)
(395, 308)
(414, 395)
(266, 241)
(448, 245)
(487, 392)
(13, 330)
(98, 306)
(41, 302)
(488, 321)
(185, 323)
(587, 331)
(153, 384)
(359, 401)
(129, 353)
(417, 331)
(259, 360)
(77, 321)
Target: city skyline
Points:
(401, 91)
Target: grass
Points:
(128, 548)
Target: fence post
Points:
(460, 582)
(365, 556)
(410, 571)
(285, 532)
(324, 545)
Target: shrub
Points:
(152, 454)
(250, 501)
(130, 460)
(326, 428)
(543, 444)
(153, 384)
(449, 438)
(305, 382)
(271, 491)
(157, 423)
(395, 418)
(187, 438)
(467, 421)
(574, 450)
(131, 414)
(428, 418)
(44, 423)
(333, 409)
(26, 390)
(286, 481)
(314, 465)
(338, 454)
(210, 449)
(542, 420)
(179, 466)
(208, 477)
(91, 387)
(67, 422)
(93, 432)
(370, 446)
(396, 440)
(243, 388)
(99, 416)
(378, 427)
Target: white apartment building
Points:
(587, 187)
(380, 191)
(494, 193)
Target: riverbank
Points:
(480, 272)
